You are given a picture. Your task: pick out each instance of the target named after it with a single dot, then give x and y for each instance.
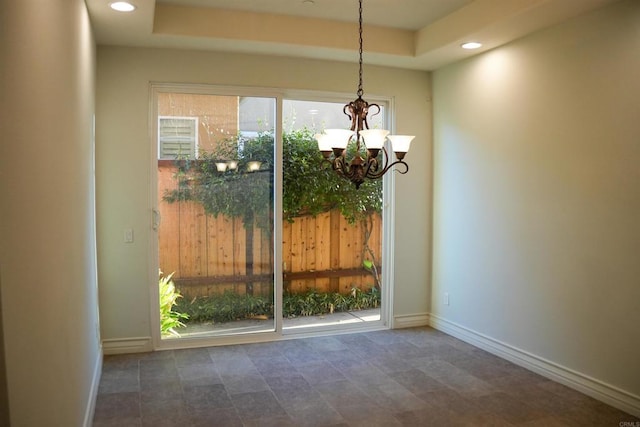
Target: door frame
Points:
(388, 214)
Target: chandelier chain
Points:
(360, 91)
(357, 169)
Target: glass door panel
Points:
(215, 183)
(332, 233)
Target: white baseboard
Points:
(595, 388)
(93, 393)
(127, 345)
(410, 320)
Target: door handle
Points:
(157, 218)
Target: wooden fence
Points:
(208, 255)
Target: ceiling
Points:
(415, 34)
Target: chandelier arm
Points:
(349, 107)
(367, 107)
(375, 173)
(339, 166)
(377, 112)
(386, 169)
(400, 162)
(354, 170)
(372, 165)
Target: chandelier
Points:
(336, 141)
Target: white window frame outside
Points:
(194, 143)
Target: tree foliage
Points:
(309, 185)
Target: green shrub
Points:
(169, 319)
(226, 307)
(231, 306)
(314, 303)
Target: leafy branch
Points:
(308, 186)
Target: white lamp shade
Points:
(374, 138)
(339, 137)
(253, 165)
(324, 141)
(400, 143)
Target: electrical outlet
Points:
(446, 298)
(128, 235)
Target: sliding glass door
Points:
(255, 234)
(214, 212)
(332, 233)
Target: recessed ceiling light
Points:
(122, 6)
(471, 45)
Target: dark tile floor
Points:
(407, 377)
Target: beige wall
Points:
(124, 161)
(47, 237)
(537, 196)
